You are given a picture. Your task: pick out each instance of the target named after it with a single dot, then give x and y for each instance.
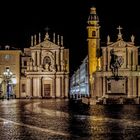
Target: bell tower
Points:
(93, 30)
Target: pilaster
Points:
(129, 87)
(138, 86)
(66, 85)
(134, 87)
(104, 87)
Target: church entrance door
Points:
(47, 90)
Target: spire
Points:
(119, 34)
(47, 35)
(62, 41)
(58, 42)
(53, 37)
(132, 39)
(35, 39)
(32, 43)
(108, 39)
(39, 38)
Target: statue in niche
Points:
(47, 67)
(47, 63)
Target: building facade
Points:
(40, 71)
(79, 82)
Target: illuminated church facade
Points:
(40, 71)
(112, 70)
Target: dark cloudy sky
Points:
(19, 20)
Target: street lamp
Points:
(7, 75)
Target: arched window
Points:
(47, 60)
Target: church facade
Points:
(113, 70)
(40, 71)
(116, 73)
(120, 72)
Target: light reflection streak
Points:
(91, 118)
(36, 128)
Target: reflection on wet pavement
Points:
(61, 120)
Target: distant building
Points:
(79, 82)
(113, 70)
(41, 71)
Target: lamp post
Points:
(7, 78)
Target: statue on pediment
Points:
(132, 38)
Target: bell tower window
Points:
(93, 33)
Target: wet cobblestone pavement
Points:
(60, 120)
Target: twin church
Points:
(42, 70)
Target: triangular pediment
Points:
(121, 44)
(49, 44)
(46, 44)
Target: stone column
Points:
(136, 56)
(108, 59)
(100, 87)
(97, 83)
(29, 86)
(62, 58)
(104, 88)
(104, 59)
(139, 86)
(28, 66)
(34, 87)
(134, 60)
(129, 87)
(129, 59)
(62, 87)
(53, 88)
(66, 85)
(40, 87)
(38, 58)
(57, 61)
(34, 58)
(134, 87)
(58, 88)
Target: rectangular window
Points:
(23, 88)
(25, 63)
(109, 86)
(93, 33)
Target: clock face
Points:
(7, 57)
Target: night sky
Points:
(18, 21)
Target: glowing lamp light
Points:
(14, 80)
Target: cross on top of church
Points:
(119, 28)
(119, 34)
